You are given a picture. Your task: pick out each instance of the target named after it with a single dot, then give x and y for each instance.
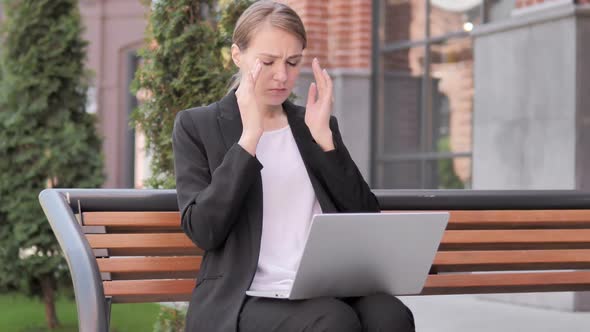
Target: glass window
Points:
(403, 20)
(424, 93)
(451, 77)
(452, 16)
(399, 115)
(434, 173)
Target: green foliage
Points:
(185, 64)
(46, 136)
(229, 16)
(21, 314)
(170, 319)
(447, 179)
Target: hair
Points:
(278, 15)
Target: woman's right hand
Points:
(249, 112)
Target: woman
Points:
(251, 171)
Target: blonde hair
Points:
(277, 14)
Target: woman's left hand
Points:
(319, 107)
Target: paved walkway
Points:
(459, 313)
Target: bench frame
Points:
(62, 205)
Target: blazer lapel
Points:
(308, 149)
(229, 120)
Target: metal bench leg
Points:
(108, 302)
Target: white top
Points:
(288, 205)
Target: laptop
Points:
(357, 254)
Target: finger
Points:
(244, 81)
(247, 77)
(256, 72)
(317, 73)
(311, 94)
(247, 83)
(329, 85)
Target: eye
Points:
(293, 64)
(267, 63)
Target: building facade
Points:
(483, 94)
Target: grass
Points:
(21, 314)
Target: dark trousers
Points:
(380, 312)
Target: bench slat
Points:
(149, 264)
(516, 219)
(180, 289)
(507, 282)
(515, 239)
(496, 260)
(455, 239)
(461, 219)
(165, 219)
(123, 291)
(522, 218)
(136, 241)
(445, 261)
(152, 252)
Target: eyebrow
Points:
(276, 56)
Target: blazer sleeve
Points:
(343, 180)
(209, 203)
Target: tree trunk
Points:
(49, 301)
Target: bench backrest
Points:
(127, 245)
(143, 256)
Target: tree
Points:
(47, 139)
(181, 68)
(186, 64)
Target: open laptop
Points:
(357, 254)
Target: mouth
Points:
(277, 92)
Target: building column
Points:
(532, 110)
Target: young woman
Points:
(251, 171)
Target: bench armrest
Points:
(89, 293)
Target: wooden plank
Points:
(516, 219)
(185, 297)
(137, 241)
(188, 251)
(163, 290)
(153, 275)
(149, 264)
(452, 240)
(496, 260)
(149, 290)
(153, 219)
(515, 239)
(460, 219)
(478, 283)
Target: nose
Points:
(280, 73)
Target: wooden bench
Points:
(127, 245)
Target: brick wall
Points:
(338, 31)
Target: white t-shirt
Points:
(289, 203)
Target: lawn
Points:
(20, 314)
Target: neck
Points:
(271, 112)
(273, 117)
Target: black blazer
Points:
(220, 199)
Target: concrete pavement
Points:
(462, 313)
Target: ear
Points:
(235, 54)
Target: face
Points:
(280, 53)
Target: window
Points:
(423, 90)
